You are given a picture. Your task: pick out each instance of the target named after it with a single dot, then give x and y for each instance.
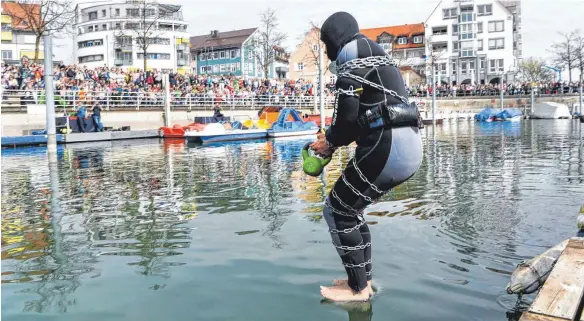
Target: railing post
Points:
(107, 100)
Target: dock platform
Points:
(28, 140)
(561, 296)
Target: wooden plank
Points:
(529, 316)
(561, 294)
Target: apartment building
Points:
(18, 42)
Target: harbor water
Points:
(159, 230)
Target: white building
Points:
(18, 41)
(110, 35)
(474, 41)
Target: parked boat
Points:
(178, 131)
(509, 114)
(295, 127)
(219, 133)
(550, 110)
(316, 119)
(486, 115)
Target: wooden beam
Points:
(529, 316)
(561, 294)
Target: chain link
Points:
(348, 230)
(334, 210)
(356, 191)
(350, 208)
(367, 62)
(352, 248)
(373, 187)
(362, 80)
(361, 265)
(368, 273)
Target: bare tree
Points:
(565, 53)
(142, 25)
(533, 70)
(42, 16)
(312, 41)
(268, 39)
(579, 53)
(432, 57)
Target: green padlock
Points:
(313, 165)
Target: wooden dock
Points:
(561, 297)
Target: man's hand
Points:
(320, 147)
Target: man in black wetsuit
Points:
(371, 109)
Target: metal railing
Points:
(17, 100)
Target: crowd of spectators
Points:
(122, 87)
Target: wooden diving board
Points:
(561, 297)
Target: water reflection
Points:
(150, 215)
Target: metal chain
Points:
(373, 187)
(361, 265)
(356, 191)
(367, 62)
(347, 230)
(350, 208)
(362, 80)
(352, 248)
(369, 272)
(334, 210)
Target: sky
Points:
(541, 19)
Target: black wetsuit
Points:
(372, 110)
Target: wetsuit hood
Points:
(337, 31)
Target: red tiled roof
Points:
(409, 30)
(19, 12)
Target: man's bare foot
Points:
(341, 293)
(345, 283)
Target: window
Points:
(466, 17)
(222, 54)
(471, 66)
(202, 57)
(482, 64)
(103, 13)
(496, 26)
(314, 47)
(221, 68)
(93, 15)
(250, 67)
(104, 27)
(454, 30)
(454, 68)
(117, 12)
(154, 41)
(442, 30)
(480, 45)
(449, 13)
(132, 12)
(485, 10)
(437, 47)
(91, 58)
(150, 12)
(233, 54)
(233, 67)
(132, 26)
(90, 43)
(480, 27)
(496, 43)
(90, 29)
(215, 55)
(463, 66)
(238, 66)
(237, 53)
(455, 46)
(118, 26)
(154, 56)
(96, 27)
(402, 40)
(496, 65)
(466, 32)
(466, 49)
(418, 39)
(123, 41)
(250, 54)
(6, 54)
(215, 68)
(299, 66)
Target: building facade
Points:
(18, 42)
(304, 59)
(474, 41)
(233, 52)
(112, 35)
(405, 44)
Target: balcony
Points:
(181, 47)
(122, 62)
(181, 61)
(123, 46)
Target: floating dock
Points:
(28, 140)
(561, 297)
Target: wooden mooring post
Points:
(561, 297)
